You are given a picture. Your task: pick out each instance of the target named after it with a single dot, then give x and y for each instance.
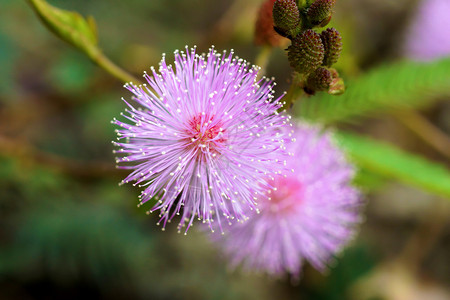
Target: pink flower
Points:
(202, 138)
(428, 38)
(311, 214)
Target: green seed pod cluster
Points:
(332, 42)
(286, 17)
(306, 52)
(319, 13)
(337, 86)
(310, 54)
(319, 80)
(324, 79)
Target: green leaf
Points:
(369, 181)
(69, 26)
(401, 85)
(390, 162)
(81, 33)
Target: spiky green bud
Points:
(337, 86)
(319, 13)
(319, 80)
(306, 52)
(324, 79)
(332, 42)
(286, 17)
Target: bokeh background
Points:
(67, 230)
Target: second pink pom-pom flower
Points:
(310, 214)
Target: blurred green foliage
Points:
(389, 87)
(390, 162)
(72, 73)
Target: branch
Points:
(80, 169)
(425, 130)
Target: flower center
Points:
(288, 193)
(206, 133)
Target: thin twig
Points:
(81, 169)
(262, 59)
(106, 64)
(424, 129)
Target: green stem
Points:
(106, 64)
(263, 58)
(294, 93)
(80, 33)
